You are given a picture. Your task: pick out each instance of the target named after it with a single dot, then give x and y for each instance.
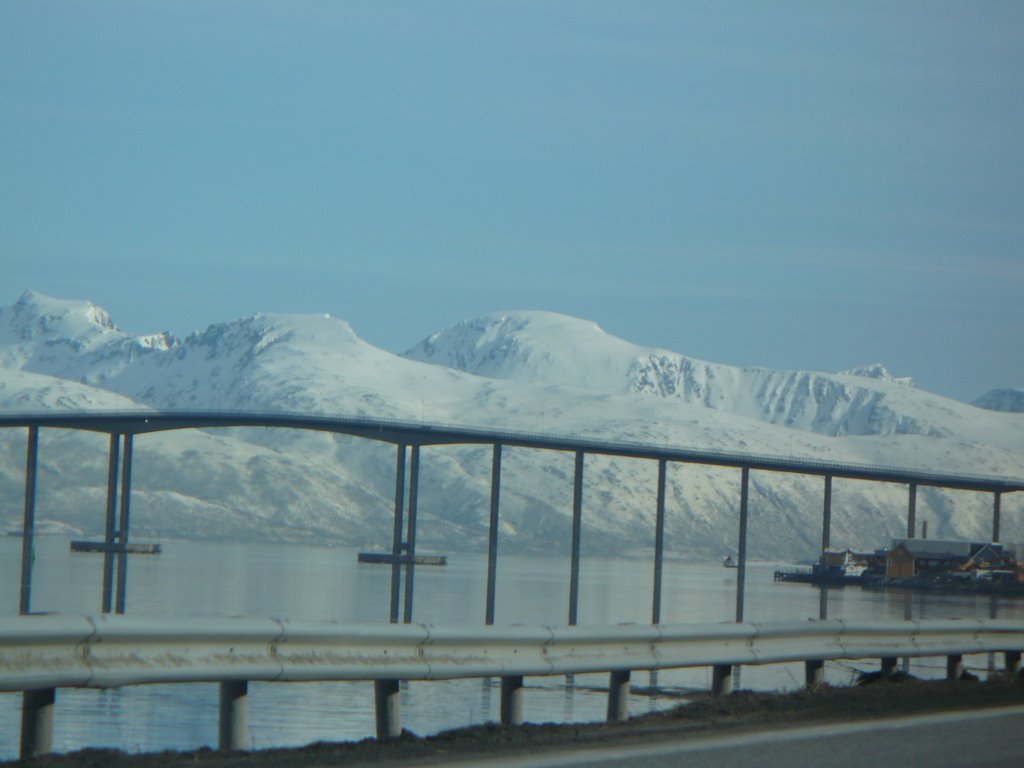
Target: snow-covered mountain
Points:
(542, 347)
(69, 339)
(1008, 400)
(532, 371)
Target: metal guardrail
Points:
(40, 653)
(429, 433)
(110, 650)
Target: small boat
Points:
(853, 568)
(729, 562)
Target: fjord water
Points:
(327, 584)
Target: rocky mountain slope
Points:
(530, 370)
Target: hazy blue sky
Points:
(809, 185)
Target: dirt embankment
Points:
(703, 716)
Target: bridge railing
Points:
(41, 653)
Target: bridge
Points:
(409, 438)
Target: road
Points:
(991, 738)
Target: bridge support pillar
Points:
(388, 707)
(1012, 663)
(826, 542)
(234, 715)
(814, 673)
(912, 512)
(123, 523)
(741, 569)
(577, 517)
(410, 536)
(822, 601)
(396, 542)
(37, 722)
(826, 515)
(721, 679)
(618, 696)
(659, 543)
(492, 534)
(512, 700)
(28, 531)
(997, 498)
(954, 666)
(110, 527)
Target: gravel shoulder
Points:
(702, 716)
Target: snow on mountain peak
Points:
(547, 348)
(878, 371)
(34, 315)
(535, 346)
(253, 335)
(70, 339)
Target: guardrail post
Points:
(889, 666)
(1012, 662)
(954, 666)
(814, 672)
(721, 679)
(389, 709)
(618, 695)
(234, 715)
(37, 722)
(512, 700)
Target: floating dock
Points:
(102, 546)
(386, 558)
(829, 579)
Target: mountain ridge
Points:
(517, 346)
(575, 380)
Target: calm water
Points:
(327, 584)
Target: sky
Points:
(798, 185)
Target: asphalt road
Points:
(989, 739)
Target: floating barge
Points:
(947, 585)
(386, 558)
(102, 546)
(829, 579)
